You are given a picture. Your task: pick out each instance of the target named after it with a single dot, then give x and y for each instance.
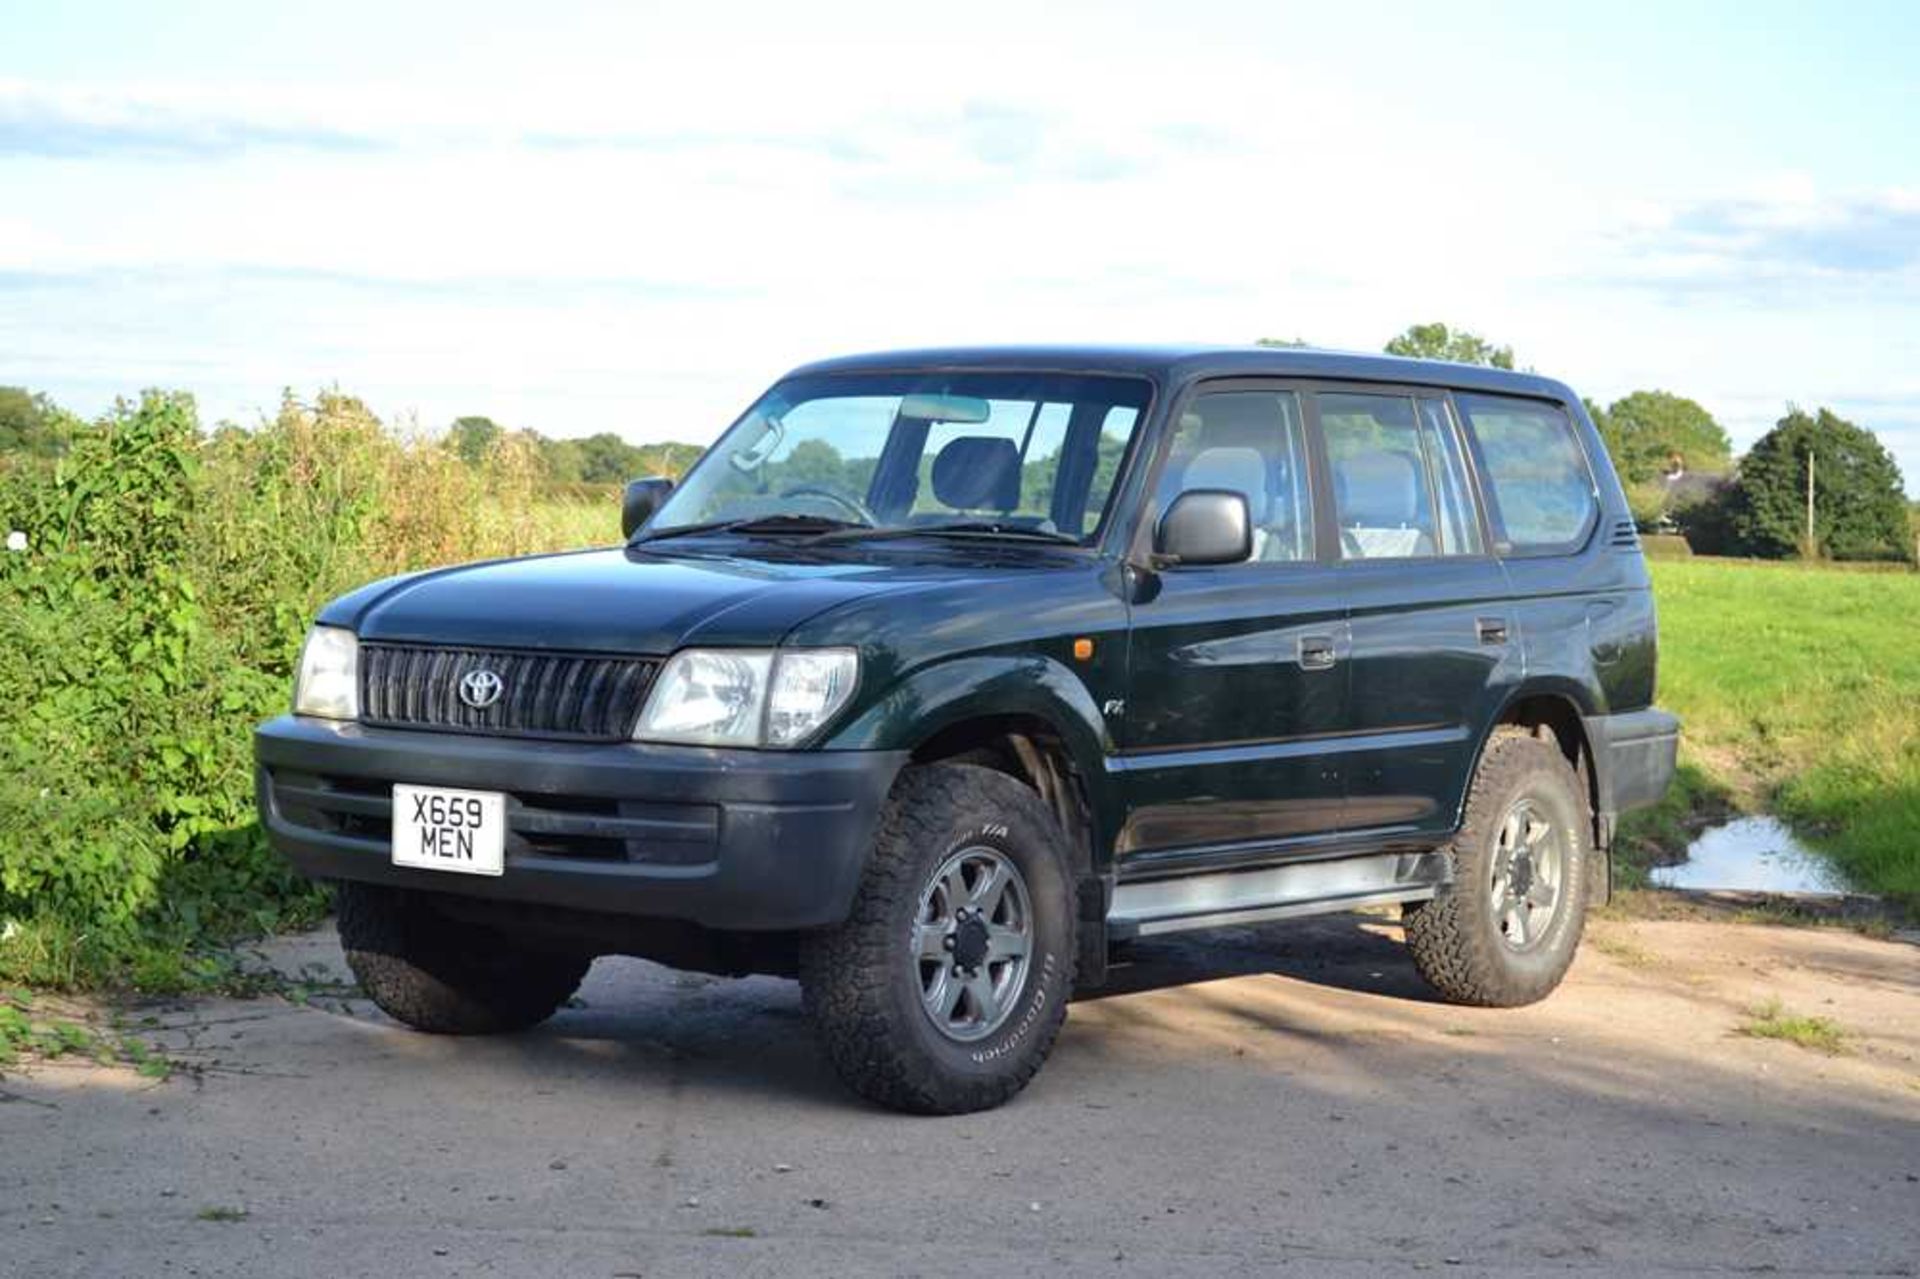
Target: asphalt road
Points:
(1283, 1098)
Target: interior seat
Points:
(1380, 509)
(1240, 470)
(1241, 443)
(978, 473)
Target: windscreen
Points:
(1037, 451)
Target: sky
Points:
(634, 217)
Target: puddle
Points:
(1754, 855)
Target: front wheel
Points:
(945, 988)
(1504, 932)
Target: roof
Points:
(1175, 364)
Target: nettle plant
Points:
(150, 616)
(124, 778)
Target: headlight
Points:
(709, 697)
(328, 682)
(809, 688)
(747, 697)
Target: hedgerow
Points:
(152, 618)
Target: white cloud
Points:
(633, 238)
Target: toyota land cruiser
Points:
(943, 671)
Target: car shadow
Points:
(749, 1038)
(639, 1023)
(1358, 953)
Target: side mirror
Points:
(1205, 526)
(642, 499)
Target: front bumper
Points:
(730, 839)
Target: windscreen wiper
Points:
(958, 528)
(820, 525)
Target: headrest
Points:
(976, 473)
(1240, 470)
(1378, 490)
(1238, 419)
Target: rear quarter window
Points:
(1539, 486)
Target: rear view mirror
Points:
(643, 498)
(967, 409)
(1205, 526)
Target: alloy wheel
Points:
(971, 941)
(1529, 875)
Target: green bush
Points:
(154, 617)
(1860, 512)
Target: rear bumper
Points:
(1633, 758)
(730, 839)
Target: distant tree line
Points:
(33, 426)
(604, 458)
(1674, 460)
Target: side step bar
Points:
(1273, 892)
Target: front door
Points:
(1236, 674)
(1435, 648)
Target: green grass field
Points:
(1799, 693)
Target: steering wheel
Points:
(852, 504)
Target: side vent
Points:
(1624, 537)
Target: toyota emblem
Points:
(481, 689)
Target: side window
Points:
(1399, 482)
(1459, 529)
(1539, 485)
(1249, 442)
(1383, 479)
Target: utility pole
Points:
(1813, 551)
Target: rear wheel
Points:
(943, 992)
(447, 976)
(1504, 932)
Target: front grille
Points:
(542, 694)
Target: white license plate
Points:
(458, 830)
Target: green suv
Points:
(942, 672)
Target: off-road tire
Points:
(446, 976)
(861, 984)
(1455, 938)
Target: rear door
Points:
(1581, 609)
(1434, 647)
(1235, 683)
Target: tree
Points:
(33, 424)
(1646, 430)
(471, 437)
(1859, 504)
(605, 458)
(1438, 342)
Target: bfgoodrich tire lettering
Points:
(442, 975)
(863, 980)
(1487, 939)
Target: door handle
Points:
(1493, 630)
(1316, 652)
